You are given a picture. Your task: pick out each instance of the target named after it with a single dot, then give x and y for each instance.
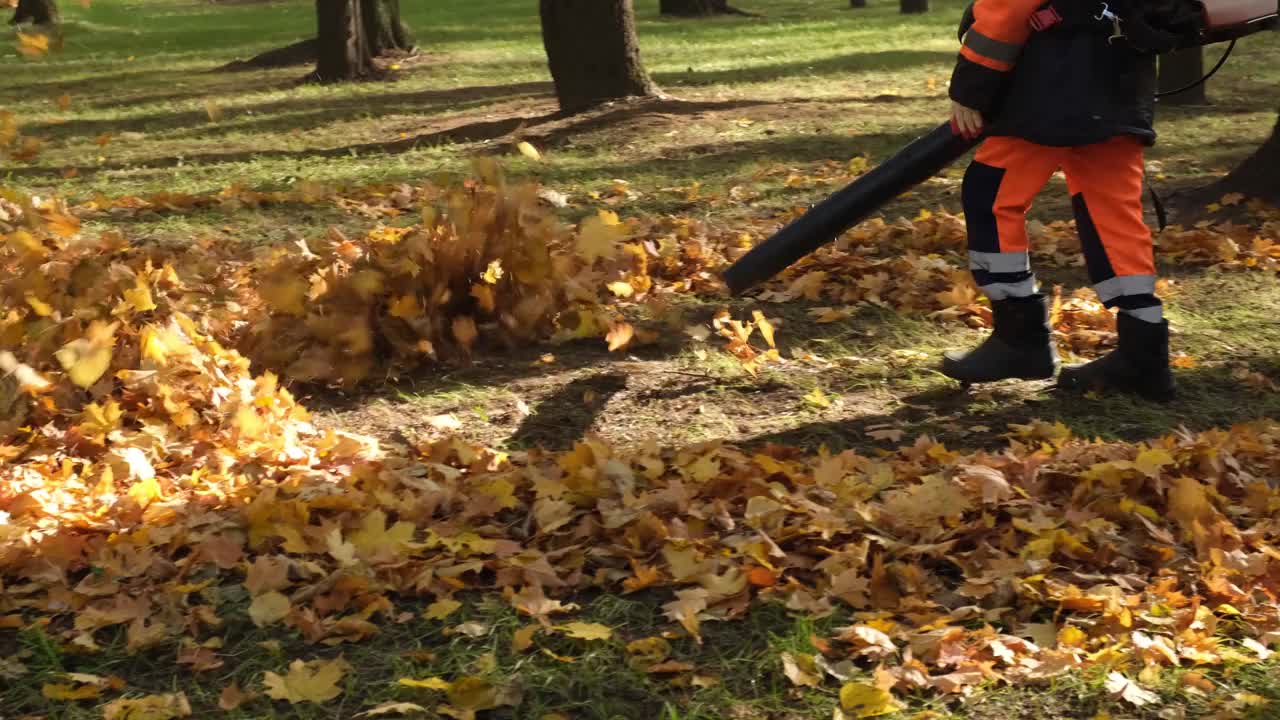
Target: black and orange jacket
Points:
(1067, 84)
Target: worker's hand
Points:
(967, 120)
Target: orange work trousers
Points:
(1105, 181)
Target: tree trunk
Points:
(343, 50)
(36, 12)
(696, 8)
(1179, 69)
(914, 7)
(383, 28)
(857, 4)
(1259, 175)
(592, 52)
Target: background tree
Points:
(592, 52)
(857, 3)
(913, 7)
(697, 8)
(383, 32)
(383, 28)
(342, 49)
(1179, 69)
(37, 12)
(1259, 175)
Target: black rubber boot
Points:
(1021, 346)
(1140, 365)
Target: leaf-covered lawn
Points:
(309, 408)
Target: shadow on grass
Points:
(569, 412)
(851, 64)
(980, 418)
(560, 127)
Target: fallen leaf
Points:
(433, 683)
(528, 150)
(864, 701)
(393, 708)
(233, 697)
(586, 631)
(269, 608)
(1129, 691)
(801, 670)
(315, 681)
(150, 707)
(87, 359)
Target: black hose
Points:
(1225, 56)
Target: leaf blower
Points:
(1209, 21)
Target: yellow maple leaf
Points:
(433, 683)
(87, 359)
(441, 609)
(1150, 461)
(33, 45)
(139, 297)
(600, 235)
(67, 691)
(586, 631)
(315, 681)
(375, 537)
(528, 150)
(96, 421)
(864, 701)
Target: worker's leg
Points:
(1003, 180)
(999, 187)
(1106, 182)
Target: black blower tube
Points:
(827, 220)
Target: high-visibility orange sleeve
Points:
(990, 50)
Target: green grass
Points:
(816, 81)
(757, 99)
(736, 672)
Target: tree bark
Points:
(697, 8)
(36, 12)
(1179, 69)
(343, 49)
(914, 7)
(1259, 175)
(592, 52)
(383, 28)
